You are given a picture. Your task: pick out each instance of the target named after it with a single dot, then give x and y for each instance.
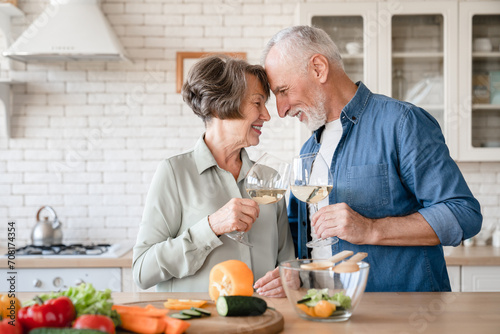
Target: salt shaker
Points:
(495, 240)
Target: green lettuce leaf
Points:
(87, 300)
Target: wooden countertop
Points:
(454, 256)
(410, 312)
(472, 256)
(124, 261)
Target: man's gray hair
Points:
(298, 44)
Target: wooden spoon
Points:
(320, 265)
(351, 265)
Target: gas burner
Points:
(61, 249)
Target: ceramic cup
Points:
(482, 44)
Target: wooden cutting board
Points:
(270, 322)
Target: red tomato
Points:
(95, 321)
(6, 328)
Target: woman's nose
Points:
(265, 114)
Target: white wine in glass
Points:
(266, 196)
(311, 182)
(266, 183)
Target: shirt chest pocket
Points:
(367, 186)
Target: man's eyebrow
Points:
(277, 89)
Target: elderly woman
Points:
(198, 196)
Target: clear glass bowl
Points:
(298, 281)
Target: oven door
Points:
(58, 279)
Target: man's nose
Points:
(282, 107)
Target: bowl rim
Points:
(362, 265)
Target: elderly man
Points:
(398, 195)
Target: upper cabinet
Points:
(418, 60)
(350, 25)
(479, 81)
(422, 53)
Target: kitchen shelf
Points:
(432, 107)
(347, 56)
(485, 106)
(417, 55)
(482, 55)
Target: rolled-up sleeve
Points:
(160, 253)
(438, 184)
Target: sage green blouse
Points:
(176, 248)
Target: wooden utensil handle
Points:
(340, 256)
(358, 257)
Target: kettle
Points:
(46, 232)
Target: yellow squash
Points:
(230, 278)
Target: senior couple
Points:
(398, 195)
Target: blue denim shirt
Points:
(392, 160)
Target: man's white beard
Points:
(316, 115)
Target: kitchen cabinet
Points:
(352, 26)
(422, 54)
(480, 279)
(479, 81)
(474, 278)
(454, 272)
(7, 11)
(128, 284)
(117, 279)
(52, 279)
(474, 268)
(53, 273)
(418, 59)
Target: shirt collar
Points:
(354, 108)
(357, 105)
(204, 158)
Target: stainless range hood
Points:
(68, 30)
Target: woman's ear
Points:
(320, 67)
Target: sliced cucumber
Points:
(191, 313)
(181, 316)
(201, 310)
(228, 306)
(304, 300)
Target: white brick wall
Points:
(87, 137)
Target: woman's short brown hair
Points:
(216, 84)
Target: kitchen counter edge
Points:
(454, 256)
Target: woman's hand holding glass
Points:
(236, 215)
(266, 183)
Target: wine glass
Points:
(311, 182)
(266, 183)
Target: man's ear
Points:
(320, 67)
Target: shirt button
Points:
(207, 248)
(303, 223)
(353, 118)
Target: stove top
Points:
(75, 250)
(61, 249)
